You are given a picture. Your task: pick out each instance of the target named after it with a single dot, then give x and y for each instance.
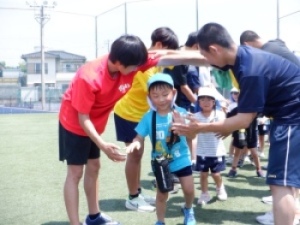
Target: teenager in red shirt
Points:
(84, 112)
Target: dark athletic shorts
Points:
(184, 172)
(76, 149)
(214, 164)
(284, 156)
(124, 129)
(251, 137)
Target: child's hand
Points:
(134, 145)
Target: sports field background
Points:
(32, 178)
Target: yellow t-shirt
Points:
(134, 105)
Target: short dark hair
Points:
(166, 36)
(129, 50)
(248, 35)
(192, 39)
(213, 33)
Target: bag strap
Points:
(153, 130)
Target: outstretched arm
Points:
(175, 57)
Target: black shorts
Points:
(263, 129)
(214, 164)
(251, 137)
(184, 172)
(124, 129)
(76, 149)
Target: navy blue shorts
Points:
(76, 149)
(284, 156)
(251, 137)
(214, 164)
(124, 129)
(184, 172)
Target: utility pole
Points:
(42, 19)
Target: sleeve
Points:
(143, 128)
(83, 97)
(151, 62)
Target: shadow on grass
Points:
(112, 205)
(56, 223)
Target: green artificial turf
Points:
(32, 178)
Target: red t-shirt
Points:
(93, 91)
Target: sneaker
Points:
(204, 199)
(266, 219)
(267, 200)
(103, 219)
(189, 218)
(232, 173)
(247, 159)
(221, 193)
(265, 167)
(149, 199)
(261, 155)
(260, 173)
(139, 204)
(229, 160)
(159, 223)
(240, 163)
(175, 189)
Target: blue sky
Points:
(70, 29)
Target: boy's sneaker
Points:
(267, 200)
(102, 219)
(204, 199)
(229, 160)
(260, 173)
(159, 223)
(266, 219)
(139, 204)
(232, 173)
(265, 167)
(189, 218)
(221, 193)
(149, 199)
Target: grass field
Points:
(31, 182)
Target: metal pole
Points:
(278, 20)
(125, 7)
(96, 35)
(197, 15)
(42, 58)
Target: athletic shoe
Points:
(240, 163)
(265, 167)
(189, 218)
(159, 223)
(149, 199)
(260, 173)
(232, 173)
(221, 193)
(203, 199)
(139, 204)
(268, 200)
(175, 189)
(266, 219)
(229, 160)
(102, 219)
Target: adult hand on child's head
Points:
(112, 152)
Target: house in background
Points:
(60, 68)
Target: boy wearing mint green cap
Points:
(161, 98)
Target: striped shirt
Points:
(208, 145)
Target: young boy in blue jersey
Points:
(270, 85)
(161, 100)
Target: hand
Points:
(134, 145)
(187, 128)
(112, 152)
(223, 135)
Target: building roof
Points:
(62, 55)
